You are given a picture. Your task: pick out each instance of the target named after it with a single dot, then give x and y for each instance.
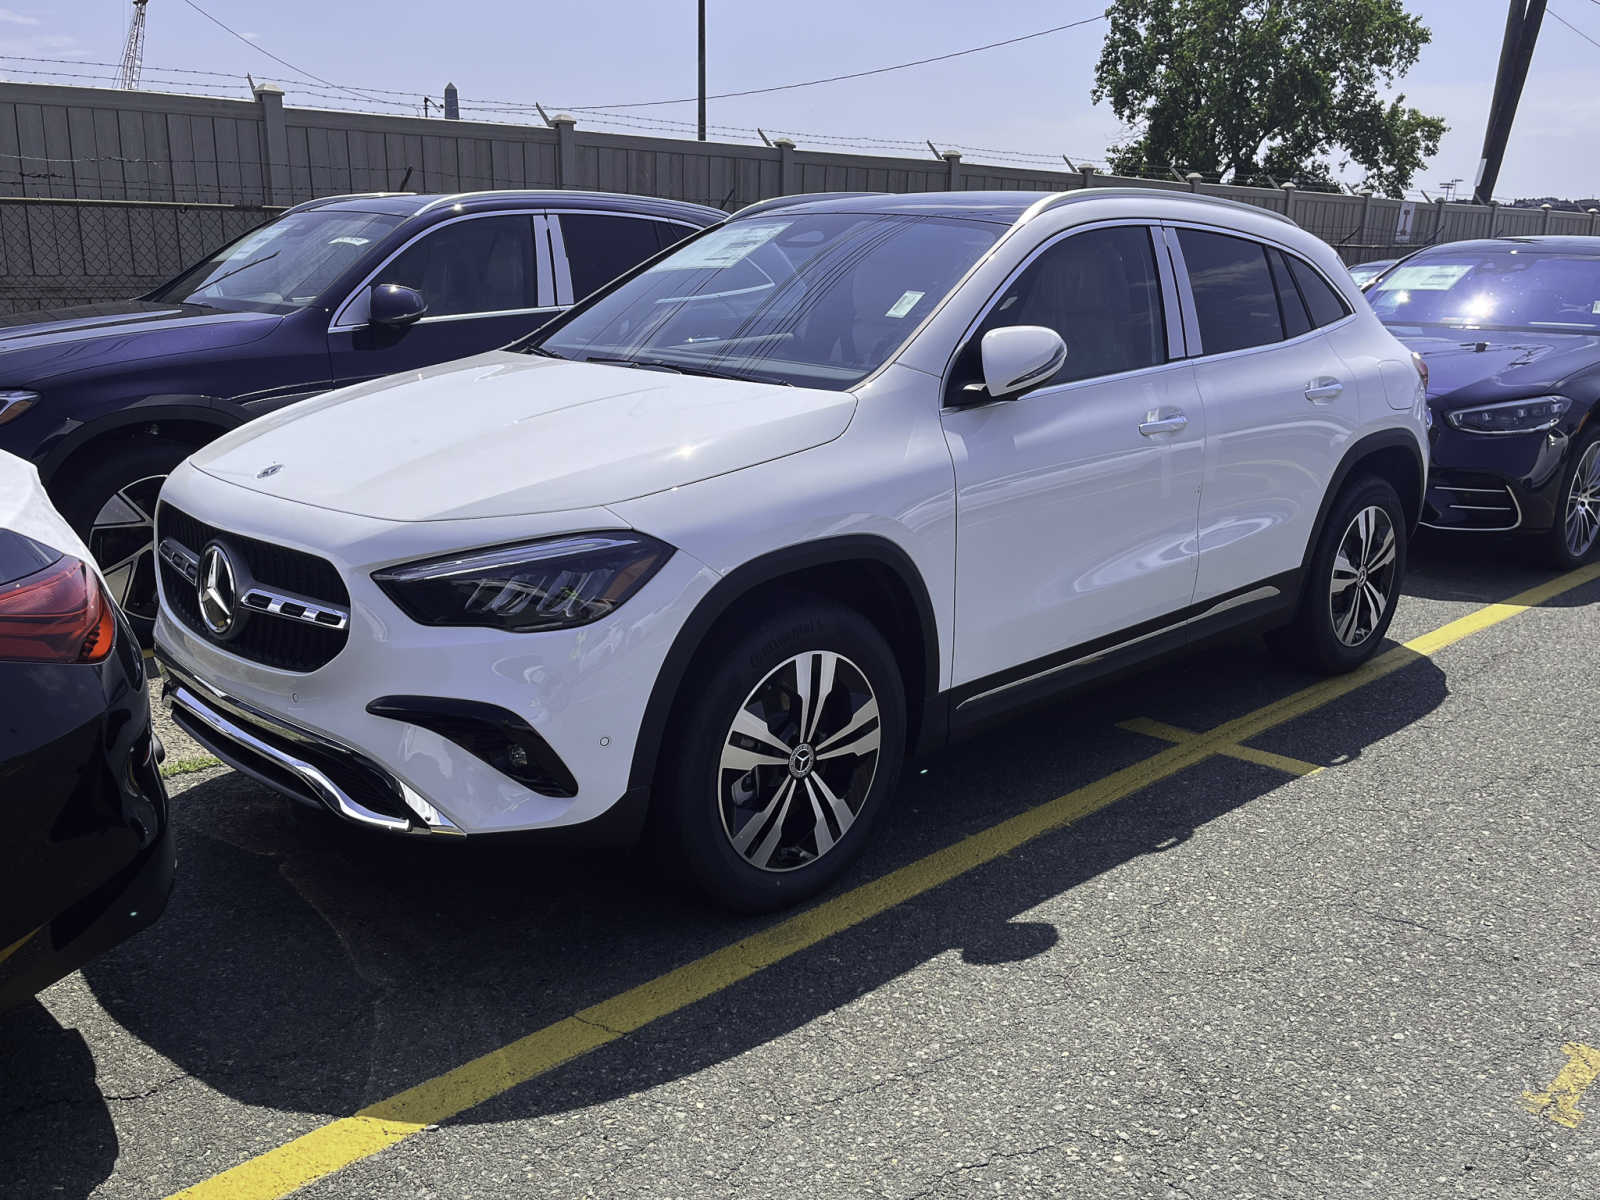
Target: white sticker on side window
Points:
(1439, 278)
(725, 247)
(905, 304)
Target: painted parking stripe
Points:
(1265, 758)
(1560, 1101)
(338, 1144)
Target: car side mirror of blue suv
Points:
(395, 305)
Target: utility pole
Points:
(1516, 52)
(702, 70)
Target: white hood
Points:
(506, 434)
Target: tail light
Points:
(60, 615)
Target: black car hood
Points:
(36, 347)
(1498, 364)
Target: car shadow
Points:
(310, 967)
(1476, 568)
(58, 1137)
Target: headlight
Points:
(14, 403)
(1516, 416)
(553, 584)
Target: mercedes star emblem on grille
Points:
(218, 589)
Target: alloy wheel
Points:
(1363, 576)
(798, 761)
(122, 540)
(1583, 503)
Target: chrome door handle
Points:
(1324, 390)
(1170, 423)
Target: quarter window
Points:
(600, 247)
(1100, 291)
(1234, 300)
(480, 265)
(1325, 304)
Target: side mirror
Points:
(1019, 358)
(396, 305)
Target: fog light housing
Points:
(493, 734)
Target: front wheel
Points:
(1572, 540)
(1353, 584)
(790, 743)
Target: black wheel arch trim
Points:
(744, 579)
(221, 415)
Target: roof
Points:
(407, 204)
(1562, 243)
(1005, 208)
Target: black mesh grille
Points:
(273, 641)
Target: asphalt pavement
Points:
(1351, 954)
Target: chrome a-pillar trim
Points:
(321, 786)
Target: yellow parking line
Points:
(17, 945)
(1560, 1103)
(342, 1142)
(1265, 758)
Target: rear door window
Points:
(1325, 304)
(1235, 302)
(601, 246)
(1290, 306)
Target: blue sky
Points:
(1031, 98)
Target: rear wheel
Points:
(1573, 539)
(789, 745)
(1353, 585)
(112, 507)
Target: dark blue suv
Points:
(106, 399)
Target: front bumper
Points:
(311, 735)
(1487, 483)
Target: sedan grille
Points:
(289, 609)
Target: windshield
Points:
(282, 266)
(1504, 289)
(817, 300)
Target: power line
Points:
(785, 87)
(285, 62)
(1575, 29)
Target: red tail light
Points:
(59, 614)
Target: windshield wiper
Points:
(657, 364)
(230, 274)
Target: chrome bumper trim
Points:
(331, 795)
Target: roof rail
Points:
(778, 202)
(531, 193)
(319, 201)
(1062, 198)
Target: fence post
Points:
(275, 181)
(1289, 196)
(566, 150)
(952, 160)
(1438, 219)
(1494, 217)
(452, 103)
(1086, 175)
(1548, 209)
(1194, 178)
(788, 185)
(1594, 221)
(1366, 212)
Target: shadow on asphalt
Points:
(56, 1135)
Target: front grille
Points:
(288, 645)
(1469, 501)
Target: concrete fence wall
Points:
(105, 193)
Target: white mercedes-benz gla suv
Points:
(823, 486)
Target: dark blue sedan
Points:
(106, 399)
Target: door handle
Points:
(1324, 390)
(1171, 422)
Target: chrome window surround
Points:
(1169, 306)
(1191, 321)
(345, 322)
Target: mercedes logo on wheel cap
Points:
(219, 592)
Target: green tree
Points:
(1242, 89)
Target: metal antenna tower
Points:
(133, 49)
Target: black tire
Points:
(1555, 550)
(696, 813)
(1313, 638)
(133, 470)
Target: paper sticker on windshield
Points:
(1440, 278)
(905, 304)
(725, 247)
(347, 240)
